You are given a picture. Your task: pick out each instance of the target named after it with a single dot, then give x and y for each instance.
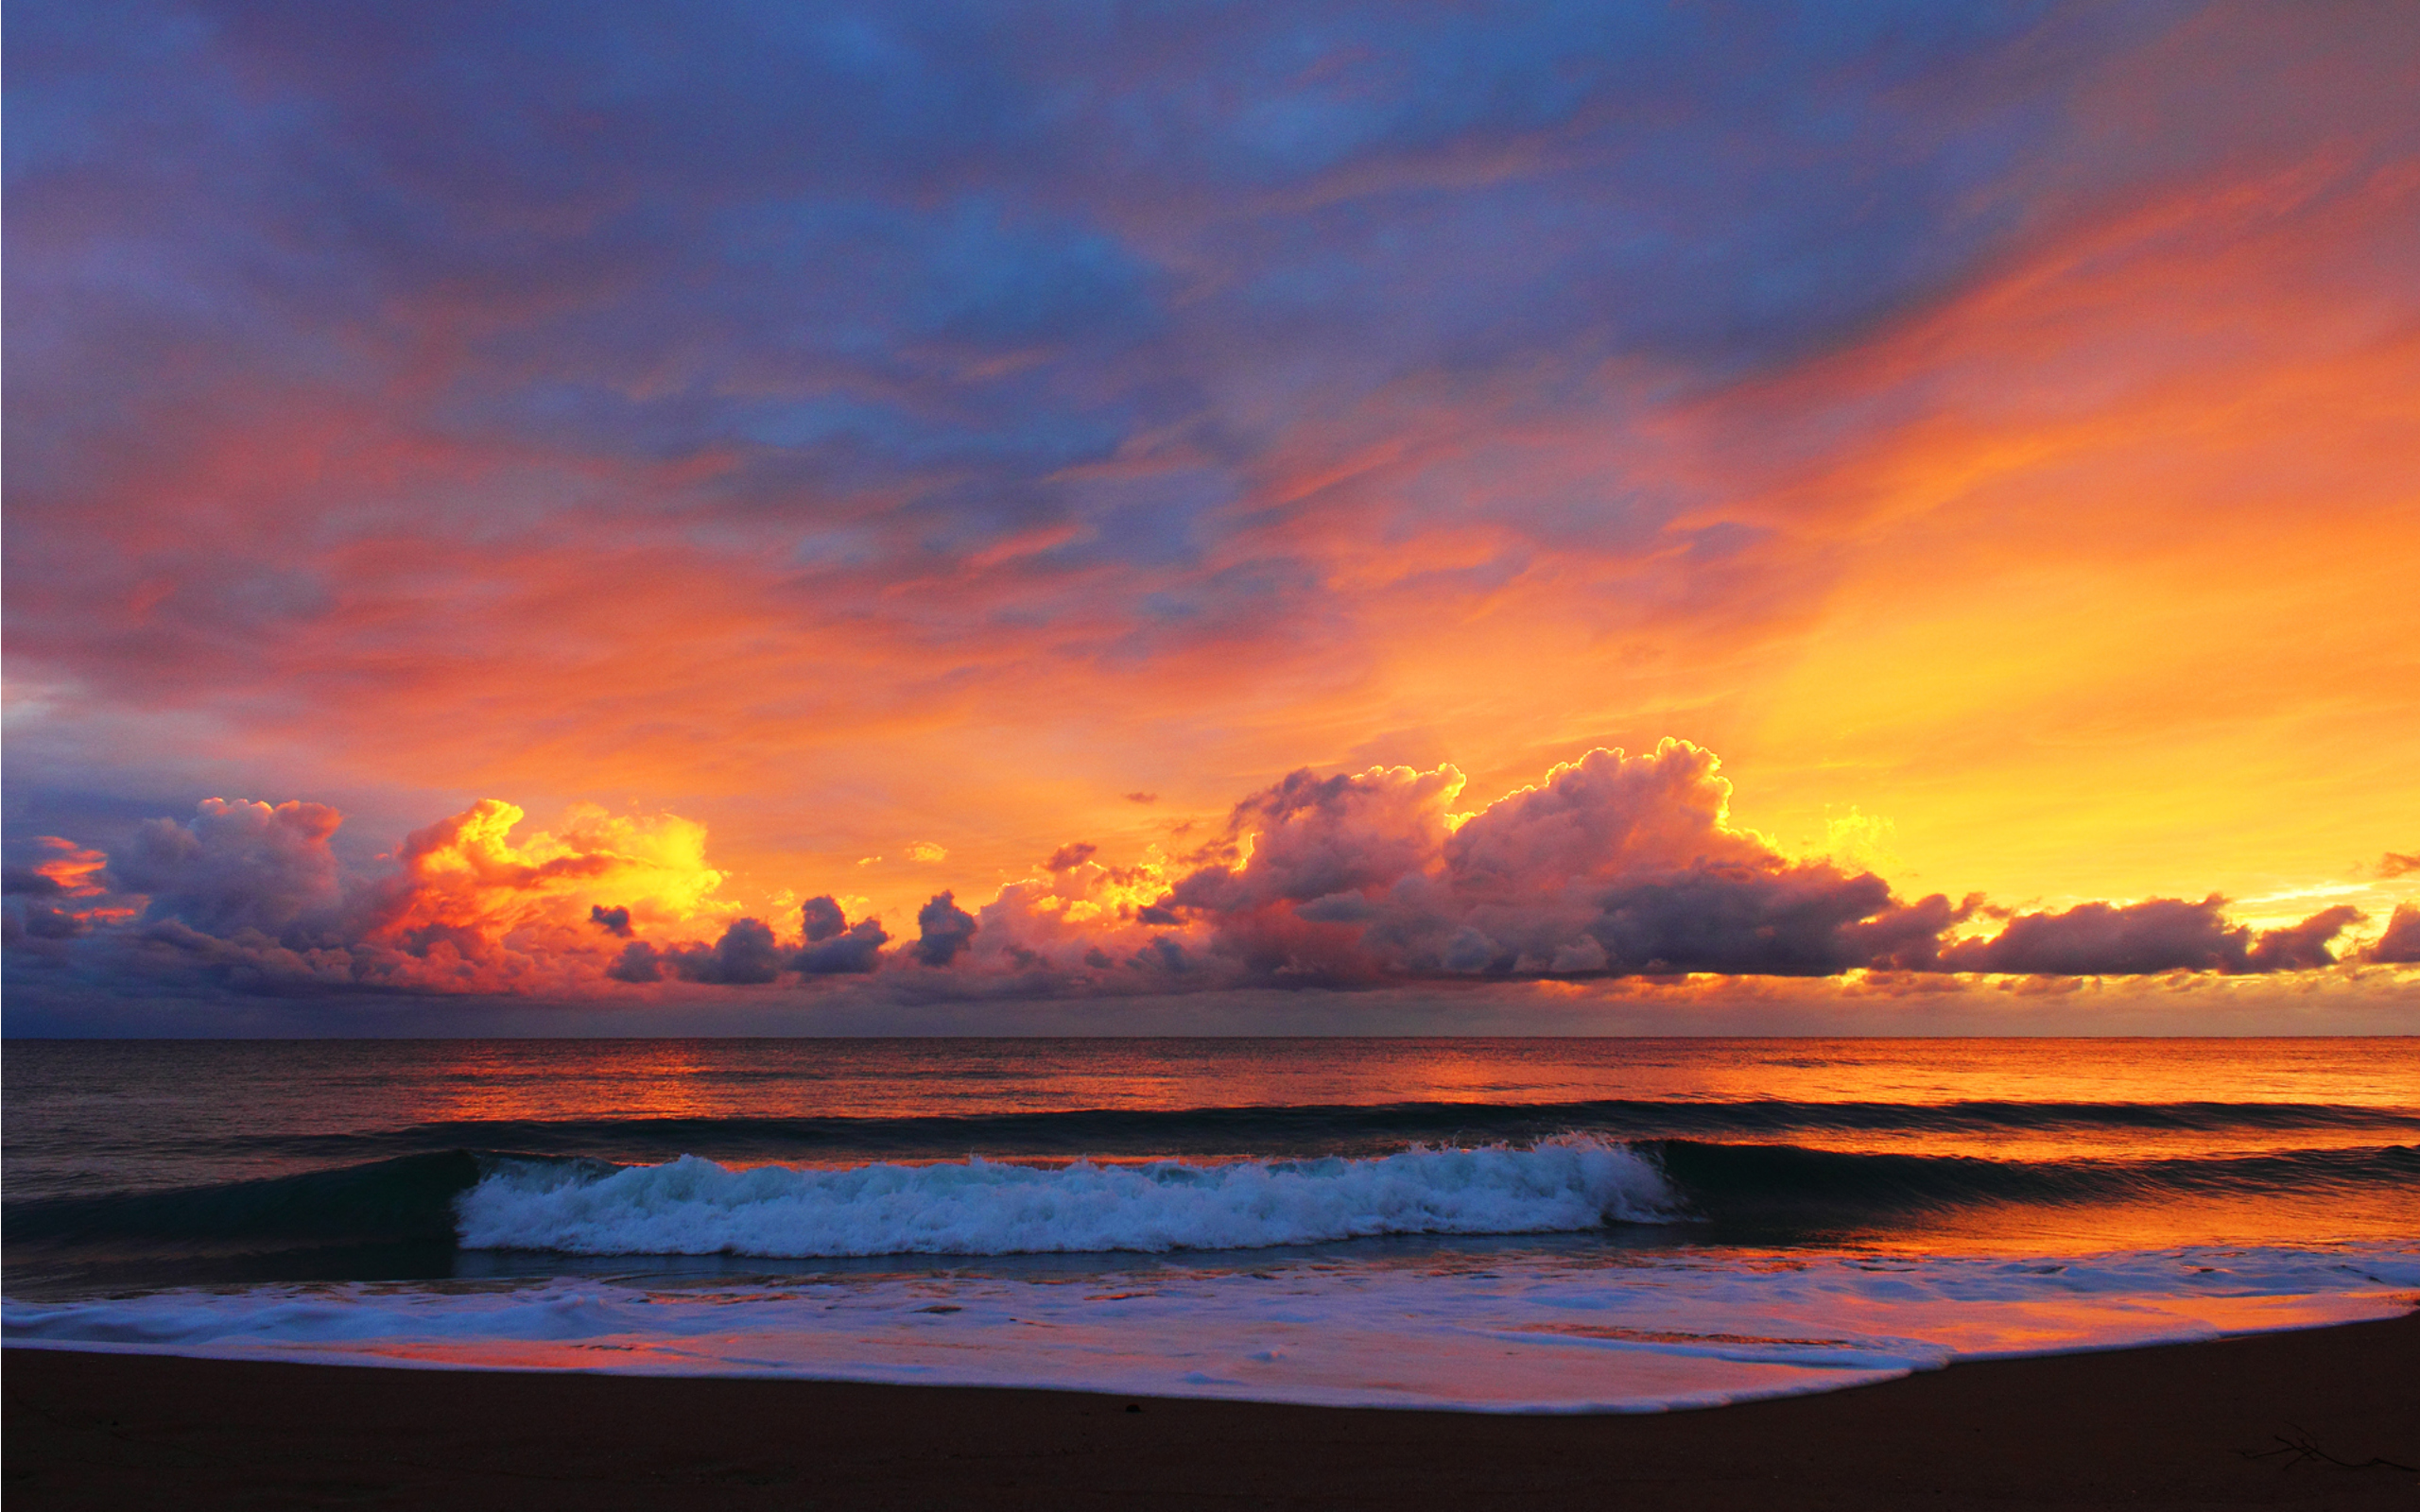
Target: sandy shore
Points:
(2188, 1425)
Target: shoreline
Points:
(2302, 1416)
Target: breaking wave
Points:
(696, 1207)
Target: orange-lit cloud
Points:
(468, 873)
(1611, 867)
(66, 870)
(253, 898)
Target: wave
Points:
(1315, 1129)
(1767, 1184)
(417, 1209)
(405, 1200)
(694, 1206)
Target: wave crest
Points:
(696, 1207)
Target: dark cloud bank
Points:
(1614, 865)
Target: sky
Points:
(1853, 517)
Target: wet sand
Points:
(2290, 1418)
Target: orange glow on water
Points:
(508, 1080)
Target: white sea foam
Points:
(695, 1207)
(1624, 1332)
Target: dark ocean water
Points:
(248, 1174)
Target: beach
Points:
(1393, 1274)
(2307, 1418)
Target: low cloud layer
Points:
(749, 954)
(2159, 935)
(1623, 865)
(252, 898)
(1613, 866)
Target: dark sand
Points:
(2186, 1425)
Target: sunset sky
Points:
(597, 516)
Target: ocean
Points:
(1496, 1224)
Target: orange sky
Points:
(2050, 535)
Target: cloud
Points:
(819, 918)
(1309, 837)
(927, 853)
(746, 955)
(831, 946)
(1613, 863)
(236, 866)
(854, 951)
(2397, 864)
(942, 930)
(32, 921)
(1613, 866)
(63, 869)
(750, 955)
(252, 898)
(1072, 855)
(2304, 946)
(2400, 944)
(2157, 934)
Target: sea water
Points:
(1535, 1225)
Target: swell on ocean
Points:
(1072, 1183)
(1527, 1251)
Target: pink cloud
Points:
(1611, 866)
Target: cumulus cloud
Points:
(1611, 866)
(2304, 946)
(236, 866)
(747, 952)
(942, 930)
(819, 918)
(2157, 934)
(1613, 863)
(2400, 944)
(750, 955)
(251, 897)
(2160, 934)
(854, 951)
(746, 955)
(639, 962)
(468, 872)
(831, 946)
